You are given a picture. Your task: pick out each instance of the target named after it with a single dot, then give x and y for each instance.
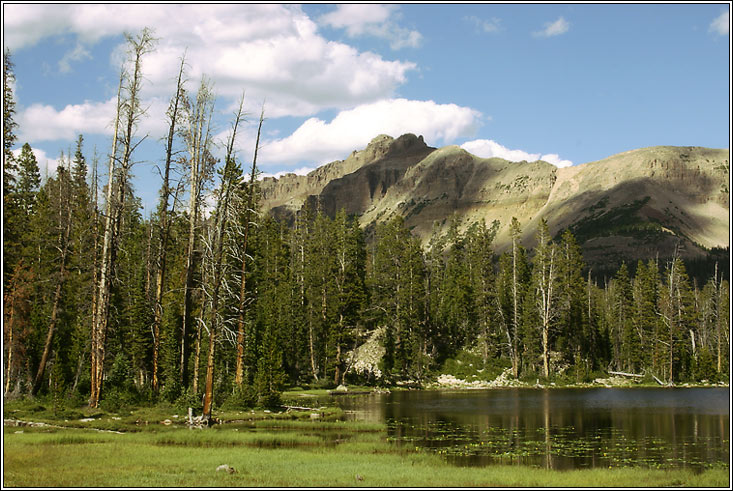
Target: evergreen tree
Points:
(350, 291)
(397, 293)
(646, 296)
(11, 230)
(678, 318)
(545, 281)
(28, 181)
(480, 264)
(574, 338)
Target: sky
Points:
(565, 83)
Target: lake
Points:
(558, 428)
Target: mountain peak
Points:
(636, 204)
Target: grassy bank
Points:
(297, 456)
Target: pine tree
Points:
(61, 201)
(546, 287)
(625, 343)
(646, 297)
(350, 289)
(11, 231)
(574, 338)
(678, 317)
(480, 263)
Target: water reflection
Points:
(559, 428)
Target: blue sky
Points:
(566, 83)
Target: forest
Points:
(211, 302)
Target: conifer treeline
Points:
(234, 305)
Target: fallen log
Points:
(301, 408)
(626, 374)
(658, 381)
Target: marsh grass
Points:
(85, 458)
(272, 449)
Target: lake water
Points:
(558, 428)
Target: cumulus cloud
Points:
(376, 20)
(489, 26)
(490, 148)
(560, 26)
(41, 122)
(301, 171)
(272, 51)
(77, 54)
(721, 24)
(319, 141)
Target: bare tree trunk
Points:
(229, 178)
(52, 324)
(164, 229)
(515, 298)
(95, 267)
(132, 113)
(102, 293)
(239, 369)
(196, 361)
(9, 359)
(198, 139)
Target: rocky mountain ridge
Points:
(637, 204)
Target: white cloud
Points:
(319, 141)
(271, 50)
(41, 122)
(77, 54)
(376, 20)
(489, 26)
(489, 148)
(721, 24)
(560, 26)
(301, 171)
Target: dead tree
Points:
(128, 115)
(229, 179)
(239, 372)
(64, 223)
(163, 223)
(198, 140)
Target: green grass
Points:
(47, 457)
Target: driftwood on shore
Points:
(625, 374)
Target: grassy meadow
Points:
(153, 447)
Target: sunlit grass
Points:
(43, 457)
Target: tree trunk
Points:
(515, 296)
(228, 179)
(163, 234)
(103, 289)
(9, 359)
(198, 139)
(132, 112)
(239, 369)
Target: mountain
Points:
(635, 205)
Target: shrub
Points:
(241, 397)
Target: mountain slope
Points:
(636, 204)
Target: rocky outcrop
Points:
(636, 204)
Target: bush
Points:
(242, 397)
(269, 400)
(705, 368)
(189, 399)
(171, 390)
(470, 366)
(117, 399)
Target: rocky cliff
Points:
(636, 204)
